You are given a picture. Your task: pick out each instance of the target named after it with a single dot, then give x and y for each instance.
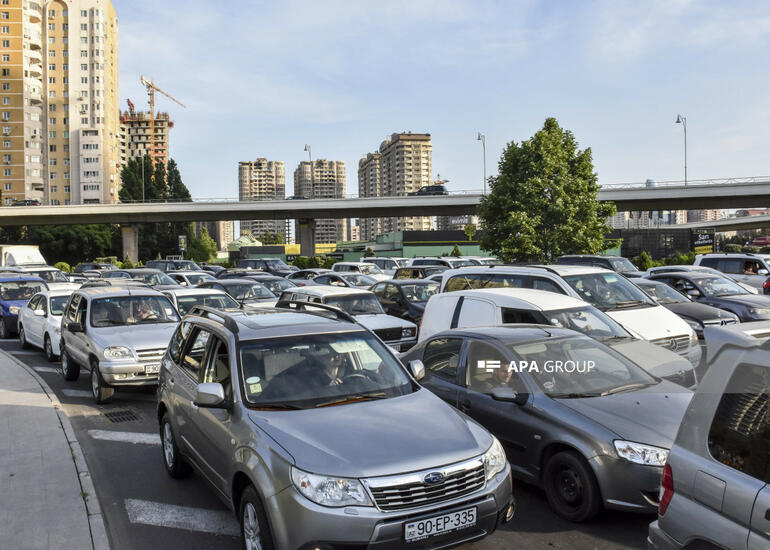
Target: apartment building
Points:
(322, 179)
(221, 231)
(135, 139)
(262, 179)
(369, 185)
(456, 223)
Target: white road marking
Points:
(46, 369)
(182, 517)
(22, 352)
(77, 393)
(125, 437)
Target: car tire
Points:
(48, 349)
(255, 530)
(99, 389)
(23, 338)
(3, 329)
(69, 369)
(175, 464)
(571, 487)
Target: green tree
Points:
(202, 248)
(731, 248)
(268, 237)
(544, 201)
(456, 252)
(470, 231)
(368, 252)
(643, 261)
(71, 243)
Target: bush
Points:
(750, 249)
(732, 248)
(329, 262)
(126, 263)
(304, 262)
(368, 252)
(677, 258)
(643, 261)
(456, 252)
(63, 266)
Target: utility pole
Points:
(483, 139)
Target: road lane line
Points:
(125, 437)
(77, 393)
(181, 517)
(46, 369)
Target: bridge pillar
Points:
(306, 237)
(130, 243)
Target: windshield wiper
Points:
(627, 303)
(627, 387)
(573, 395)
(354, 397)
(271, 406)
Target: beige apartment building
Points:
(262, 179)
(222, 232)
(323, 179)
(135, 139)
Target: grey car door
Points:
(186, 383)
(441, 357)
(77, 342)
(759, 536)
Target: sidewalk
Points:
(47, 500)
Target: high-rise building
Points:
(60, 101)
(456, 223)
(135, 138)
(404, 165)
(262, 180)
(694, 216)
(222, 232)
(322, 179)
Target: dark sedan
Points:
(246, 291)
(594, 430)
(719, 292)
(274, 283)
(405, 298)
(694, 314)
(429, 190)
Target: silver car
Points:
(715, 492)
(314, 433)
(119, 333)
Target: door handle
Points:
(465, 405)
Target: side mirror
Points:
(762, 272)
(417, 369)
(210, 395)
(507, 395)
(694, 292)
(39, 313)
(75, 327)
(183, 283)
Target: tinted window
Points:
(193, 356)
(218, 301)
(177, 341)
(499, 280)
(489, 369)
(740, 432)
(710, 262)
(734, 266)
(442, 357)
(519, 316)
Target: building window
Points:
(84, 66)
(51, 66)
(52, 175)
(65, 27)
(52, 40)
(5, 29)
(84, 120)
(6, 171)
(51, 26)
(6, 57)
(52, 80)
(7, 186)
(84, 26)
(51, 53)
(66, 148)
(6, 86)
(65, 53)
(65, 80)
(52, 108)
(51, 93)
(7, 143)
(84, 80)
(6, 101)
(66, 135)
(6, 115)
(7, 159)
(84, 40)
(51, 162)
(53, 189)
(66, 187)
(52, 148)
(7, 130)
(66, 163)
(52, 134)
(6, 43)
(51, 13)
(83, 13)
(52, 120)
(6, 72)
(65, 67)
(83, 53)
(66, 177)
(5, 15)
(55, 202)
(8, 201)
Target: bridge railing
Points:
(466, 192)
(690, 183)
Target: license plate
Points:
(439, 525)
(151, 369)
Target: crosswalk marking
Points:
(181, 517)
(45, 369)
(77, 393)
(125, 437)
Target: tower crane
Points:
(151, 89)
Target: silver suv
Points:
(119, 333)
(315, 434)
(715, 490)
(750, 269)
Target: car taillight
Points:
(667, 490)
(766, 286)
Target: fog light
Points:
(120, 376)
(510, 511)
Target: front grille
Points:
(389, 334)
(718, 322)
(151, 355)
(411, 491)
(684, 378)
(678, 344)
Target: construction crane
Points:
(151, 89)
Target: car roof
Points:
(564, 270)
(234, 281)
(513, 270)
(195, 291)
(513, 333)
(695, 275)
(187, 272)
(9, 277)
(57, 292)
(145, 269)
(109, 291)
(323, 290)
(522, 297)
(409, 282)
(349, 263)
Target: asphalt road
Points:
(146, 509)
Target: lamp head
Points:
(307, 147)
(679, 119)
(479, 137)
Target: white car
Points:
(190, 278)
(361, 267)
(388, 264)
(496, 306)
(54, 278)
(399, 334)
(40, 321)
(184, 299)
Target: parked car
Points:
(501, 277)
(246, 292)
(594, 435)
(617, 264)
(39, 322)
(54, 278)
(483, 260)
(274, 266)
(212, 268)
(717, 469)
(418, 272)
(173, 265)
(350, 280)
(190, 278)
(277, 411)
(15, 292)
(303, 275)
(398, 333)
(26, 202)
(153, 277)
(446, 261)
(388, 264)
(698, 316)
(701, 268)
(752, 269)
(497, 306)
(405, 298)
(93, 266)
(361, 267)
(119, 334)
(274, 283)
(115, 274)
(719, 292)
(184, 299)
(429, 190)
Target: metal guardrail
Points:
(690, 183)
(236, 199)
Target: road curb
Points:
(99, 538)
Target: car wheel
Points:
(101, 391)
(570, 487)
(23, 338)
(175, 464)
(48, 348)
(3, 329)
(254, 527)
(69, 369)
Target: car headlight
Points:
(117, 352)
(641, 454)
(695, 325)
(756, 311)
(408, 332)
(14, 310)
(693, 339)
(494, 459)
(330, 491)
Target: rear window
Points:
(472, 281)
(710, 262)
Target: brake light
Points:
(667, 490)
(766, 285)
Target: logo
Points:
(433, 478)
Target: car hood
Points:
(651, 323)
(656, 360)
(749, 300)
(650, 415)
(259, 304)
(383, 320)
(699, 312)
(375, 438)
(63, 286)
(140, 336)
(17, 303)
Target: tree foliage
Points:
(70, 243)
(268, 237)
(203, 248)
(544, 201)
(470, 231)
(456, 252)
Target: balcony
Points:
(34, 55)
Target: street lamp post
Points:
(683, 121)
(483, 139)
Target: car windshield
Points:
(186, 265)
(622, 265)
(276, 264)
(460, 263)
(132, 310)
(58, 304)
(356, 279)
(370, 269)
(20, 290)
(116, 275)
(587, 320)
(318, 370)
(608, 291)
(419, 292)
(356, 304)
(153, 279)
(249, 291)
(50, 276)
(664, 294)
(604, 371)
(276, 286)
(719, 286)
(218, 301)
(198, 278)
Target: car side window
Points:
(73, 307)
(545, 284)
(392, 294)
(487, 369)
(733, 266)
(710, 262)
(192, 358)
(322, 280)
(32, 304)
(80, 314)
(42, 305)
(740, 432)
(218, 366)
(511, 315)
(379, 290)
(442, 357)
(476, 313)
(177, 341)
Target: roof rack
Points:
(207, 312)
(115, 282)
(341, 314)
(726, 253)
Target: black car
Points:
(694, 314)
(245, 291)
(274, 283)
(418, 272)
(274, 266)
(153, 277)
(93, 266)
(302, 276)
(212, 268)
(719, 292)
(617, 264)
(429, 190)
(405, 298)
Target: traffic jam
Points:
(415, 402)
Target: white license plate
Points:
(439, 525)
(151, 369)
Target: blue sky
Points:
(261, 79)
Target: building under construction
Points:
(139, 136)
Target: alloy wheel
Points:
(251, 528)
(168, 445)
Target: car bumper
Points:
(402, 345)
(694, 354)
(11, 323)
(627, 486)
(126, 373)
(657, 539)
(55, 340)
(297, 522)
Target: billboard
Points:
(702, 240)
